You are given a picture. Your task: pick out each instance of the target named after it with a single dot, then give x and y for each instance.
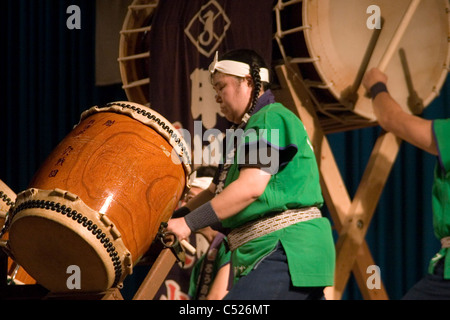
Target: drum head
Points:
(36, 239)
(340, 39)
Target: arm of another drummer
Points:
(392, 118)
(219, 288)
(240, 193)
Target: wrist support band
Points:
(181, 212)
(377, 88)
(203, 216)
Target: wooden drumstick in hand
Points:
(398, 35)
(388, 54)
(188, 247)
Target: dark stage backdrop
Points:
(48, 73)
(48, 79)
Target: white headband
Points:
(202, 182)
(235, 68)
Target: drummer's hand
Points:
(373, 76)
(179, 227)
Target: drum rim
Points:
(154, 120)
(7, 197)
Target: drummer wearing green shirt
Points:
(433, 137)
(266, 193)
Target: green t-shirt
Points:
(441, 192)
(294, 184)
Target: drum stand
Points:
(156, 276)
(351, 217)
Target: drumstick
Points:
(395, 40)
(398, 35)
(188, 247)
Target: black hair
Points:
(206, 171)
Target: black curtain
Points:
(48, 75)
(48, 79)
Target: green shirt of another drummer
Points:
(441, 192)
(294, 184)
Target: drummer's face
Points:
(233, 94)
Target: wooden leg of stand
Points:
(156, 275)
(335, 193)
(363, 206)
(113, 294)
(110, 294)
(363, 261)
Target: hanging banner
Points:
(184, 38)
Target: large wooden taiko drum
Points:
(96, 204)
(334, 42)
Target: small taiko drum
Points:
(333, 43)
(97, 202)
(16, 274)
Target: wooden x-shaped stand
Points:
(351, 217)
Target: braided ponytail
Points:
(254, 71)
(255, 74)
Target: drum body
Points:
(334, 42)
(97, 202)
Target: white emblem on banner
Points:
(208, 28)
(203, 101)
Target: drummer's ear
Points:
(249, 81)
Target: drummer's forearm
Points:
(239, 194)
(411, 128)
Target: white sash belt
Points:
(255, 229)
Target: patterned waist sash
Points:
(258, 228)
